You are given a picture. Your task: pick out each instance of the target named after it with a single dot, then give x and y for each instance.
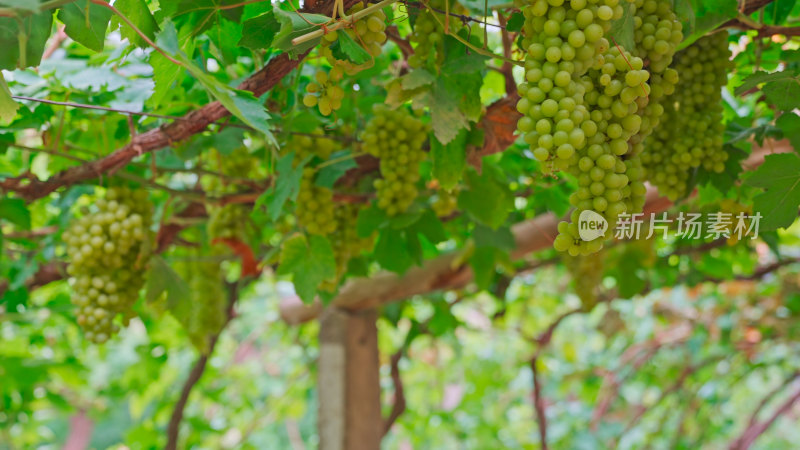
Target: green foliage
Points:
(780, 176)
(310, 261)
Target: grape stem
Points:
(344, 21)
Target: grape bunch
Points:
(209, 301)
(428, 34)
(563, 40)
(230, 221)
(346, 242)
(691, 132)
(396, 138)
(108, 250)
(368, 31)
(325, 93)
(587, 275)
(445, 202)
(315, 209)
(608, 172)
(315, 145)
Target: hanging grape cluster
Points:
(691, 133)
(230, 221)
(587, 275)
(208, 314)
(368, 31)
(428, 33)
(325, 93)
(346, 242)
(107, 251)
(445, 202)
(396, 138)
(314, 206)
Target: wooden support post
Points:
(349, 381)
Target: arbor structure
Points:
(604, 189)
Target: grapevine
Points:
(325, 93)
(209, 304)
(368, 31)
(396, 138)
(428, 34)
(230, 221)
(107, 251)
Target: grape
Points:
(428, 34)
(346, 242)
(396, 138)
(107, 250)
(315, 209)
(230, 221)
(587, 275)
(325, 93)
(209, 300)
(692, 133)
(317, 145)
(368, 32)
(445, 203)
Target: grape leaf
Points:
(139, 14)
(161, 278)
(483, 262)
(8, 107)
(449, 160)
(392, 251)
(35, 28)
(621, 31)
(165, 72)
(287, 185)
(417, 78)
(777, 11)
(515, 22)
(784, 94)
(24, 5)
(780, 176)
(763, 77)
(709, 14)
(328, 175)
(89, 30)
(260, 31)
(501, 238)
(370, 220)
(15, 211)
(293, 26)
(789, 123)
(310, 262)
(487, 201)
(346, 49)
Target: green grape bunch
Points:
(315, 209)
(428, 33)
(692, 133)
(587, 275)
(368, 31)
(230, 221)
(107, 251)
(445, 202)
(314, 145)
(208, 314)
(326, 94)
(397, 139)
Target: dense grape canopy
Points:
(442, 183)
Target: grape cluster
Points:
(107, 250)
(691, 135)
(316, 145)
(230, 221)
(609, 173)
(347, 244)
(325, 93)
(396, 138)
(445, 202)
(315, 209)
(587, 275)
(368, 31)
(209, 303)
(428, 34)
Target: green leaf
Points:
(242, 104)
(346, 49)
(486, 201)
(515, 22)
(483, 264)
(709, 14)
(328, 175)
(24, 5)
(139, 14)
(161, 278)
(287, 185)
(293, 26)
(780, 176)
(392, 251)
(417, 78)
(166, 72)
(449, 160)
(447, 118)
(430, 226)
(15, 211)
(86, 23)
(8, 107)
(310, 262)
(459, 60)
(260, 31)
(35, 28)
(778, 10)
(621, 31)
(370, 220)
(501, 238)
(784, 94)
(763, 77)
(789, 123)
